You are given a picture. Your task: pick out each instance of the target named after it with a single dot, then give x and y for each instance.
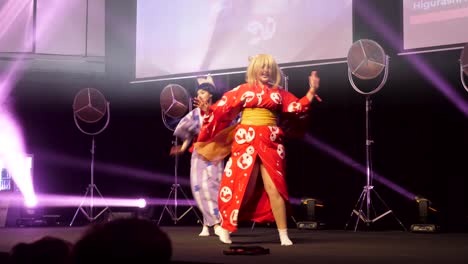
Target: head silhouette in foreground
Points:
(130, 240)
(48, 249)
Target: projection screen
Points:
(433, 23)
(182, 37)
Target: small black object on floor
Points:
(246, 250)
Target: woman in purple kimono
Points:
(205, 175)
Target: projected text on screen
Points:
(430, 23)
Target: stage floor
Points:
(310, 246)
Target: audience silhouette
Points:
(51, 250)
(126, 240)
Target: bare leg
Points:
(278, 206)
(277, 202)
(251, 184)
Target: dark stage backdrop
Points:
(419, 135)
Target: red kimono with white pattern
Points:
(251, 143)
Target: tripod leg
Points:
(354, 209)
(173, 214)
(74, 216)
(191, 207)
(80, 206)
(388, 209)
(294, 219)
(165, 206)
(102, 197)
(359, 213)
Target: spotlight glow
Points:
(141, 203)
(12, 151)
(30, 203)
(13, 155)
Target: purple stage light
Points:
(11, 139)
(56, 200)
(13, 156)
(331, 151)
(116, 170)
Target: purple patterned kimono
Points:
(205, 176)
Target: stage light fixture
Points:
(366, 59)
(424, 208)
(175, 101)
(90, 105)
(309, 206)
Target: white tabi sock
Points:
(205, 231)
(283, 234)
(224, 236)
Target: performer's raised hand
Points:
(314, 83)
(200, 103)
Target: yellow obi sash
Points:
(219, 146)
(258, 117)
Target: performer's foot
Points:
(283, 234)
(205, 231)
(224, 236)
(218, 230)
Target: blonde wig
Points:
(257, 64)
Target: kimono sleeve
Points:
(221, 114)
(189, 126)
(294, 117)
(291, 104)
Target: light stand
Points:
(464, 66)
(367, 214)
(366, 60)
(171, 208)
(172, 107)
(89, 213)
(462, 78)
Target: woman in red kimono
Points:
(257, 146)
